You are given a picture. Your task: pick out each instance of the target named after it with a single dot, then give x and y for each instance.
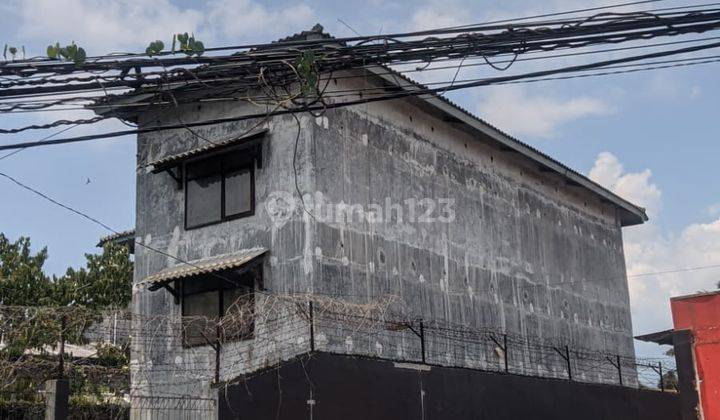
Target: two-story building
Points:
(456, 220)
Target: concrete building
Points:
(460, 221)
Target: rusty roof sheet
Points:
(172, 160)
(204, 266)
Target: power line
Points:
(417, 90)
(57, 203)
(16, 151)
(676, 270)
(296, 43)
(105, 226)
(577, 33)
(581, 30)
(40, 105)
(98, 222)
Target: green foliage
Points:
(41, 329)
(38, 312)
(188, 44)
(69, 303)
(53, 51)
(105, 281)
(22, 281)
(69, 52)
(154, 48)
(307, 70)
(110, 355)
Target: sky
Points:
(651, 137)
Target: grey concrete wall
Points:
(526, 253)
(161, 366)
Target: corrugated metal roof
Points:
(317, 32)
(117, 237)
(204, 266)
(173, 160)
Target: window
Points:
(219, 188)
(208, 298)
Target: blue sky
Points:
(650, 136)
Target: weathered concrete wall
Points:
(526, 253)
(162, 366)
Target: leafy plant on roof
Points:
(188, 44)
(69, 52)
(155, 48)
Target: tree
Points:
(37, 312)
(70, 303)
(22, 281)
(105, 281)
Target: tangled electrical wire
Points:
(293, 74)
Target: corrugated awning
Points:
(125, 238)
(249, 139)
(204, 266)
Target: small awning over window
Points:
(243, 259)
(247, 140)
(125, 238)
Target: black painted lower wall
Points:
(332, 387)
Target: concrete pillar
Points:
(687, 375)
(57, 394)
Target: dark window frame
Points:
(223, 171)
(256, 274)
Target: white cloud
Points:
(635, 186)
(650, 250)
(669, 87)
(103, 26)
(522, 114)
(439, 14)
(245, 18)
